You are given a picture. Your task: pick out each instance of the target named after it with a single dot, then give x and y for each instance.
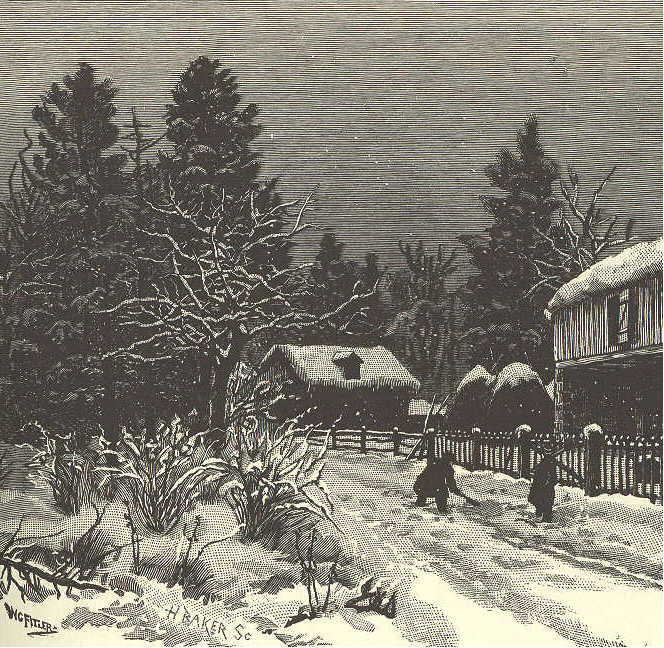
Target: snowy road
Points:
(487, 575)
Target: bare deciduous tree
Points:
(423, 330)
(577, 241)
(212, 296)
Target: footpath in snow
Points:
(491, 575)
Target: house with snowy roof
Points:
(357, 385)
(607, 326)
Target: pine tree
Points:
(84, 254)
(77, 169)
(213, 160)
(334, 278)
(211, 134)
(332, 281)
(505, 322)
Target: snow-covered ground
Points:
(489, 575)
(484, 575)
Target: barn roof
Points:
(611, 274)
(315, 366)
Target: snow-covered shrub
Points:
(271, 474)
(274, 478)
(68, 472)
(164, 471)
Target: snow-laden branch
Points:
(224, 287)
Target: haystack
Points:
(519, 397)
(468, 408)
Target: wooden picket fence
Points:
(596, 463)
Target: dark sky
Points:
(393, 109)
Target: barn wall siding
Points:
(582, 330)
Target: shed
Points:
(357, 385)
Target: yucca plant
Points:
(274, 480)
(271, 474)
(69, 473)
(164, 472)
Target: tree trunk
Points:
(109, 415)
(220, 370)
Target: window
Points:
(623, 317)
(351, 371)
(349, 363)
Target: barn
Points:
(607, 326)
(421, 411)
(361, 385)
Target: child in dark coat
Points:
(436, 480)
(542, 491)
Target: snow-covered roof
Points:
(315, 365)
(611, 274)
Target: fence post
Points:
(655, 469)
(333, 434)
(363, 439)
(475, 449)
(594, 440)
(525, 438)
(395, 440)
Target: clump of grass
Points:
(68, 472)
(164, 472)
(189, 563)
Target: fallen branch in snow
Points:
(26, 569)
(373, 598)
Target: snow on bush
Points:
(271, 474)
(67, 470)
(164, 471)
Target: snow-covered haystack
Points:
(519, 397)
(471, 399)
(611, 274)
